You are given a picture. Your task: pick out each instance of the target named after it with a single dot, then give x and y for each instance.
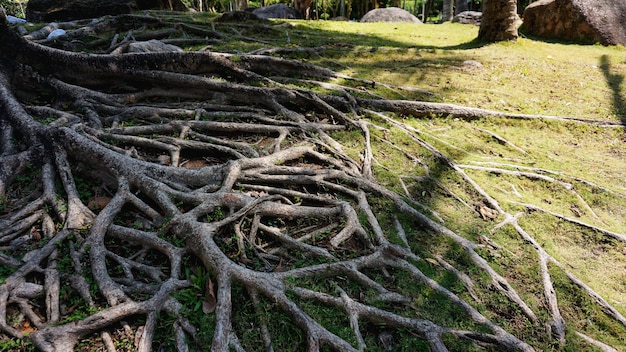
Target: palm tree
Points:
(448, 10)
(461, 5)
(499, 21)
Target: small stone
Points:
(468, 17)
(471, 65)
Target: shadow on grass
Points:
(614, 81)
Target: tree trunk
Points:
(240, 5)
(461, 6)
(429, 5)
(499, 21)
(448, 11)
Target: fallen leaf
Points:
(209, 302)
(26, 328)
(280, 267)
(98, 203)
(487, 213)
(36, 235)
(138, 335)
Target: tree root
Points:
(165, 175)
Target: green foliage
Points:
(16, 8)
(5, 272)
(192, 299)
(216, 215)
(17, 345)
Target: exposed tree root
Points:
(156, 176)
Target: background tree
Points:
(461, 5)
(428, 6)
(499, 20)
(447, 12)
(15, 8)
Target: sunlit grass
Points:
(528, 76)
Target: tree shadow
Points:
(614, 81)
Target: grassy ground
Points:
(530, 76)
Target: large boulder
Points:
(238, 16)
(602, 21)
(468, 17)
(67, 10)
(389, 14)
(277, 11)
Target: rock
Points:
(389, 14)
(67, 10)
(15, 20)
(152, 46)
(602, 21)
(471, 65)
(277, 11)
(56, 33)
(238, 16)
(468, 17)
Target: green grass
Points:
(527, 76)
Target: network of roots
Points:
(196, 200)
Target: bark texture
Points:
(499, 21)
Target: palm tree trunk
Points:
(448, 11)
(429, 4)
(461, 5)
(499, 21)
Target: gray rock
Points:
(277, 11)
(472, 65)
(15, 20)
(468, 17)
(602, 21)
(56, 33)
(389, 14)
(238, 16)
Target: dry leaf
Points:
(487, 213)
(26, 328)
(280, 267)
(36, 235)
(98, 203)
(138, 335)
(209, 302)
